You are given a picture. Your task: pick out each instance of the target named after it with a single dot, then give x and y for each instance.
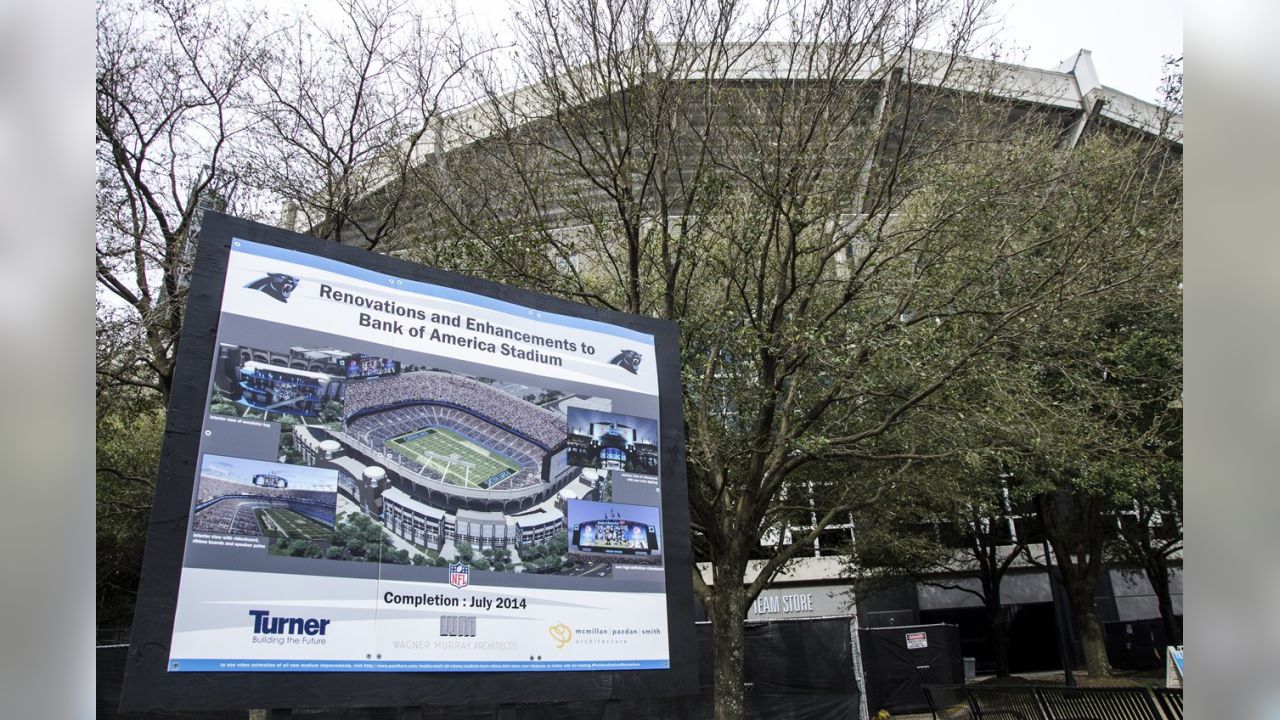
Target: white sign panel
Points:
(399, 476)
(1173, 666)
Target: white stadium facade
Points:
(1069, 98)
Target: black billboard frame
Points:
(149, 686)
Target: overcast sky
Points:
(1128, 38)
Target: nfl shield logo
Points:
(459, 575)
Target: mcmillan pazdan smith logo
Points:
(628, 360)
(277, 285)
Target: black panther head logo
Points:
(628, 360)
(277, 285)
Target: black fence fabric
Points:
(801, 669)
(110, 675)
(899, 660)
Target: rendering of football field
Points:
(282, 522)
(460, 460)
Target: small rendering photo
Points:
(614, 533)
(610, 441)
(298, 384)
(256, 498)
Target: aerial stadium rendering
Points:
(459, 442)
(463, 460)
(440, 460)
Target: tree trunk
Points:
(998, 636)
(1080, 596)
(1077, 527)
(1095, 648)
(729, 642)
(1158, 575)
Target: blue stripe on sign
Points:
(207, 665)
(437, 291)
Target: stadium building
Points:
(456, 442)
(1070, 100)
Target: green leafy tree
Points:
(1101, 434)
(955, 537)
(356, 547)
(1151, 538)
(1145, 362)
(465, 552)
(331, 412)
(127, 453)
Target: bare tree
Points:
(170, 76)
(200, 106)
(345, 116)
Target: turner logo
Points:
(628, 360)
(277, 285)
(264, 624)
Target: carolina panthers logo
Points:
(277, 285)
(628, 360)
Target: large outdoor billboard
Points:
(372, 467)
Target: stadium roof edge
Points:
(1072, 84)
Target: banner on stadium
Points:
(384, 469)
